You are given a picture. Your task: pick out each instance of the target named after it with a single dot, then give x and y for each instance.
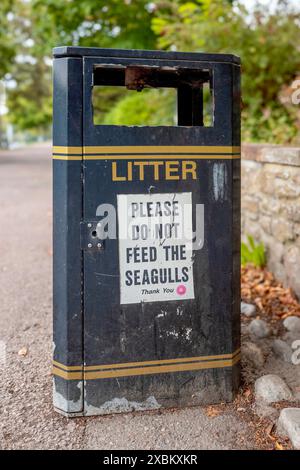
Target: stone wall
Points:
(271, 206)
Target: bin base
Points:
(197, 390)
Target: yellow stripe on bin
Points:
(162, 361)
(145, 367)
(67, 375)
(161, 157)
(146, 152)
(136, 149)
(72, 150)
(236, 359)
(156, 369)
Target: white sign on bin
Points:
(155, 247)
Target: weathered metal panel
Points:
(67, 214)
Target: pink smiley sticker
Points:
(181, 289)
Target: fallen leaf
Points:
(278, 446)
(259, 287)
(23, 351)
(211, 411)
(269, 431)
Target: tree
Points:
(30, 101)
(93, 23)
(29, 76)
(7, 51)
(152, 107)
(7, 41)
(44, 24)
(268, 44)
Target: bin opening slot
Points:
(168, 96)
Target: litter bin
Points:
(146, 232)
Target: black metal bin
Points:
(141, 324)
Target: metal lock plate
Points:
(89, 236)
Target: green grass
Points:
(253, 253)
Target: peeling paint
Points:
(185, 333)
(188, 332)
(172, 333)
(162, 314)
(151, 189)
(69, 406)
(179, 311)
(122, 405)
(123, 341)
(220, 181)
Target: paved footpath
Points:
(27, 419)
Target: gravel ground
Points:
(27, 418)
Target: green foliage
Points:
(30, 101)
(152, 107)
(93, 23)
(266, 44)
(50, 23)
(105, 98)
(253, 253)
(7, 39)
